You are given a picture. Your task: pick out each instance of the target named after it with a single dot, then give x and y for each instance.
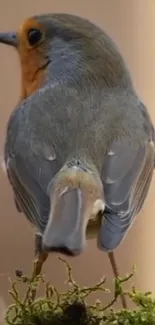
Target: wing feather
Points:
(127, 190)
(29, 187)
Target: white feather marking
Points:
(49, 86)
(111, 153)
(51, 158)
(75, 167)
(64, 191)
(97, 206)
(79, 210)
(152, 143)
(3, 165)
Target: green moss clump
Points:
(71, 307)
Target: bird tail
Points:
(76, 197)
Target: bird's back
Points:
(67, 122)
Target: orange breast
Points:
(32, 71)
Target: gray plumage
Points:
(85, 117)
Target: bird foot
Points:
(38, 264)
(40, 256)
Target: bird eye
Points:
(34, 36)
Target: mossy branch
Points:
(71, 307)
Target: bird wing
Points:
(126, 177)
(29, 185)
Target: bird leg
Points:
(40, 255)
(116, 274)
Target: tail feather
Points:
(76, 197)
(63, 225)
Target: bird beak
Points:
(9, 39)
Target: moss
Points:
(71, 307)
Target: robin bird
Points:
(79, 150)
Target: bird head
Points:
(30, 41)
(68, 49)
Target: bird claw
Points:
(38, 264)
(36, 268)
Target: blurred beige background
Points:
(131, 23)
